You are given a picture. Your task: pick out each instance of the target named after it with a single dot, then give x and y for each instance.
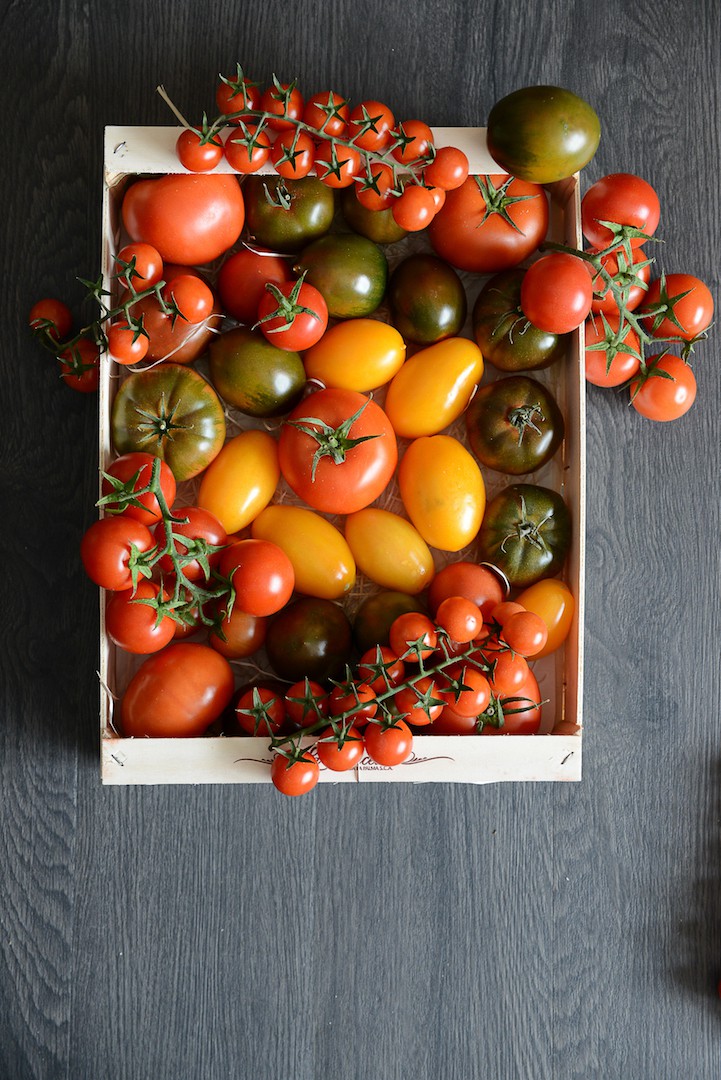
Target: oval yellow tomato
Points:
(389, 550)
(433, 387)
(443, 491)
(322, 560)
(357, 354)
(554, 602)
(242, 479)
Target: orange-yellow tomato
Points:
(321, 558)
(242, 479)
(357, 354)
(554, 602)
(389, 550)
(433, 387)
(443, 491)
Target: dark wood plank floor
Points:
(505, 933)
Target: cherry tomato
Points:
(615, 363)
(239, 635)
(326, 111)
(322, 560)
(138, 467)
(419, 703)
(196, 524)
(261, 574)
(370, 125)
(503, 611)
(292, 315)
(294, 776)
(376, 190)
(667, 392)
(235, 94)
(241, 480)
(460, 618)
(414, 209)
(284, 102)
(525, 633)
(681, 306)
(381, 668)
(413, 636)
(242, 280)
(522, 711)
(190, 297)
(196, 152)
(247, 149)
(306, 702)
(632, 277)
(139, 266)
(623, 199)
(448, 170)
(80, 366)
(133, 624)
(508, 670)
(260, 711)
(470, 580)
(389, 550)
(451, 722)
(52, 316)
(177, 693)
(553, 601)
(356, 701)
(337, 165)
(414, 142)
(389, 745)
(442, 491)
(467, 691)
(125, 344)
(556, 293)
(110, 548)
(171, 338)
(340, 751)
(293, 154)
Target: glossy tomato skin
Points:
(355, 482)
(310, 636)
(526, 532)
(501, 331)
(106, 548)
(261, 574)
(542, 133)
(427, 299)
(632, 277)
(469, 238)
(623, 199)
(470, 580)
(242, 279)
(172, 412)
(514, 425)
(133, 625)
(241, 480)
(377, 225)
(443, 491)
(389, 550)
(693, 311)
(554, 602)
(522, 711)
(322, 560)
(604, 367)
(296, 777)
(176, 339)
(389, 745)
(358, 354)
(307, 324)
(350, 272)
(140, 465)
(254, 375)
(433, 387)
(377, 613)
(195, 524)
(177, 693)
(309, 215)
(557, 293)
(188, 219)
(666, 396)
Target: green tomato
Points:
(526, 533)
(377, 612)
(285, 215)
(350, 271)
(309, 636)
(378, 225)
(514, 425)
(542, 133)
(254, 375)
(427, 299)
(502, 332)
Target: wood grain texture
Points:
(538, 932)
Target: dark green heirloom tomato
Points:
(427, 299)
(376, 613)
(503, 333)
(254, 375)
(514, 425)
(350, 271)
(526, 533)
(309, 636)
(542, 133)
(378, 225)
(285, 215)
(172, 412)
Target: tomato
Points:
(126, 344)
(377, 225)
(189, 219)
(433, 387)
(623, 199)
(415, 208)
(553, 601)
(239, 635)
(296, 775)
(461, 619)
(350, 271)
(427, 299)
(189, 298)
(235, 93)
(525, 632)
(111, 549)
(177, 693)
(466, 690)
(611, 358)
(336, 164)
(260, 711)
(666, 390)
(448, 170)
(254, 375)
(171, 338)
(284, 102)
(139, 266)
(389, 550)
(389, 745)
(680, 306)
(542, 133)
(503, 611)
(359, 354)
(134, 625)
(306, 702)
(526, 532)
(471, 231)
(470, 580)
(322, 561)
(247, 148)
(376, 614)
(138, 468)
(419, 703)
(353, 700)
(198, 153)
(241, 480)
(377, 189)
(51, 316)
(242, 280)
(288, 224)
(413, 636)
(293, 154)
(514, 425)
(519, 714)
(556, 293)
(502, 332)
(293, 315)
(380, 668)
(508, 670)
(340, 750)
(370, 125)
(80, 366)
(451, 722)
(337, 451)
(632, 277)
(413, 142)
(172, 412)
(195, 524)
(443, 491)
(327, 111)
(310, 636)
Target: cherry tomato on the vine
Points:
(419, 703)
(461, 618)
(191, 297)
(139, 465)
(414, 142)
(466, 689)
(125, 344)
(413, 636)
(260, 711)
(306, 702)
(293, 154)
(326, 111)
(620, 358)
(195, 524)
(370, 125)
(680, 305)
(294, 776)
(234, 94)
(556, 293)
(80, 366)
(52, 316)
(448, 170)
(197, 152)
(415, 208)
(389, 745)
(623, 199)
(668, 389)
(340, 750)
(284, 102)
(109, 549)
(381, 668)
(135, 625)
(337, 165)
(247, 149)
(525, 633)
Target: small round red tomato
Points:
(470, 580)
(137, 626)
(192, 536)
(623, 199)
(126, 344)
(242, 280)
(451, 722)
(678, 306)
(525, 633)
(326, 111)
(611, 358)
(448, 170)
(413, 142)
(189, 297)
(337, 165)
(284, 102)
(261, 574)
(236, 94)
(197, 152)
(630, 277)
(503, 611)
(260, 711)
(556, 293)
(370, 125)
(419, 703)
(466, 690)
(80, 366)
(355, 701)
(306, 702)
(337, 451)
(508, 670)
(380, 668)
(520, 713)
(375, 191)
(415, 208)
(292, 315)
(461, 618)
(294, 775)
(51, 316)
(666, 390)
(293, 154)
(111, 548)
(389, 745)
(340, 750)
(238, 635)
(247, 149)
(413, 636)
(139, 266)
(177, 693)
(137, 467)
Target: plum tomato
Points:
(322, 560)
(389, 550)
(356, 354)
(433, 387)
(241, 480)
(442, 491)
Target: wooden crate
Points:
(436, 759)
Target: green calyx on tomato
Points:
(333, 442)
(286, 215)
(514, 425)
(526, 533)
(502, 332)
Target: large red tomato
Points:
(190, 219)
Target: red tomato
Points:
(198, 153)
(451, 722)
(189, 297)
(111, 548)
(247, 149)
(295, 775)
(293, 315)
(326, 111)
(667, 392)
(448, 170)
(413, 636)
(261, 574)
(235, 94)
(284, 102)
(260, 711)
(371, 125)
(414, 142)
(461, 618)
(381, 668)
(357, 702)
(632, 277)
(242, 280)
(471, 230)
(52, 316)
(466, 690)
(508, 670)
(340, 750)
(615, 363)
(556, 293)
(139, 266)
(201, 530)
(680, 306)
(525, 633)
(137, 467)
(293, 154)
(135, 625)
(80, 366)
(337, 165)
(190, 220)
(306, 702)
(337, 450)
(126, 344)
(521, 711)
(375, 190)
(415, 208)
(239, 635)
(623, 199)
(390, 745)
(468, 579)
(177, 693)
(419, 703)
